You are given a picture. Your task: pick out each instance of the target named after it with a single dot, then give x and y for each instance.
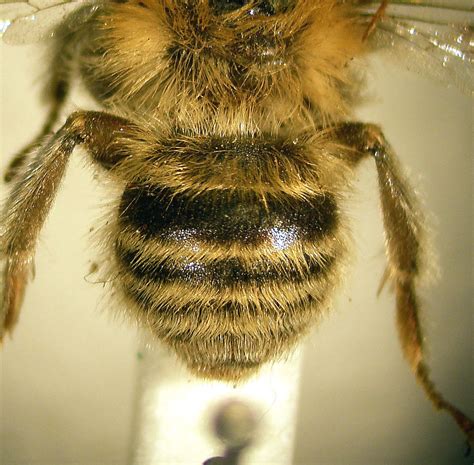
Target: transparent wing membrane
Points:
(445, 55)
(432, 37)
(461, 5)
(28, 21)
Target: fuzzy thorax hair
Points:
(181, 58)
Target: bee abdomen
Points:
(241, 271)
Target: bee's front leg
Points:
(406, 250)
(33, 193)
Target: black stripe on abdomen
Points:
(221, 218)
(224, 273)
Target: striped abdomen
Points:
(228, 279)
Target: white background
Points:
(69, 373)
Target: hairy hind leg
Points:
(404, 231)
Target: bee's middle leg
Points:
(33, 193)
(54, 95)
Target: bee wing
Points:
(432, 37)
(28, 21)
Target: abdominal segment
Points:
(229, 280)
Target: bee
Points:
(227, 127)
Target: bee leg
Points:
(54, 95)
(375, 19)
(33, 193)
(404, 230)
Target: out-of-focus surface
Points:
(174, 412)
(68, 375)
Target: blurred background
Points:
(69, 374)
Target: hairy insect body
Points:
(228, 240)
(230, 278)
(244, 71)
(228, 127)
